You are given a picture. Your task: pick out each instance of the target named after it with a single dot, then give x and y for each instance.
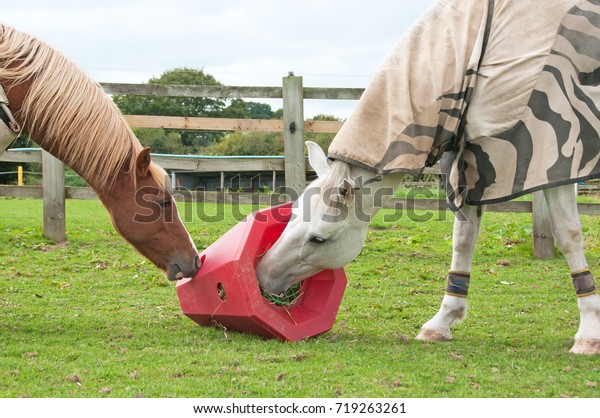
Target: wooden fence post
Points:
(293, 133)
(543, 240)
(53, 182)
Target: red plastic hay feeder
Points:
(225, 290)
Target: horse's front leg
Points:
(566, 229)
(454, 304)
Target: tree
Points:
(173, 106)
(323, 139)
(190, 141)
(264, 143)
(8, 171)
(248, 143)
(176, 106)
(241, 109)
(161, 141)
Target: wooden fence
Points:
(293, 164)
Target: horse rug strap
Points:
(9, 129)
(533, 116)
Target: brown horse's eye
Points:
(165, 203)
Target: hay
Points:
(287, 299)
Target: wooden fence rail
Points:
(230, 92)
(293, 164)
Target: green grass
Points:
(94, 319)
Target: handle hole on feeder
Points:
(221, 291)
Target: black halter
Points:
(360, 185)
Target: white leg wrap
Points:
(566, 229)
(587, 339)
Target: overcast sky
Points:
(331, 43)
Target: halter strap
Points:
(5, 113)
(359, 186)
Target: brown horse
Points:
(72, 118)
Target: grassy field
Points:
(92, 318)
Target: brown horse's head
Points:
(145, 214)
(71, 117)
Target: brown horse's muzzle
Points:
(180, 270)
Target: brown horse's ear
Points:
(142, 162)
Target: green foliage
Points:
(248, 143)
(8, 173)
(22, 141)
(161, 141)
(278, 114)
(202, 142)
(72, 179)
(510, 233)
(187, 142)
(178, 106)
(92, 318)
(263, 143)
(173, 106)
(324, 140)
(240, 109)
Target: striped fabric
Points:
(533, 119)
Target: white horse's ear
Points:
(347, 192)
(317, 159)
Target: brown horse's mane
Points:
(80, 124)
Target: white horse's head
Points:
(327, 229)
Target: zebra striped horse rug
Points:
(526, 71)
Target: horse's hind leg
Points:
(566, 229)
(454, 304)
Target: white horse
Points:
(504, 93)
(330, 221)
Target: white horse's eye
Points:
(317, 240)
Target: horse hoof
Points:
(434, 336)
(586, 346)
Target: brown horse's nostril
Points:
(198, 262)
